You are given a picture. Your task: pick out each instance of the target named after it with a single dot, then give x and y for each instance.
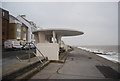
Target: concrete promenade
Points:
(79, 65)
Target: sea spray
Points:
(108, 52)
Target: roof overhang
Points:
(60, 32)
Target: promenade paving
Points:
(79, 65)
(15, 65)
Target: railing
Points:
(29, 56)
(38, 50)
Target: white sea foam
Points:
(110, 55)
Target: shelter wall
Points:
(41, 37)
(50, 50)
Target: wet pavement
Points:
(11, 63)
(9, 57)
(20, 69)
(79, 65)
(12, 53)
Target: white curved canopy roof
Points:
(61, 32)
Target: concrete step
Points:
(25, 71)
(32, 72)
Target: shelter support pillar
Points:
(54, 37)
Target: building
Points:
(31, 27)
(14, 28)
(4, 17)
(48, 41)
(24, 32)
(17, 30)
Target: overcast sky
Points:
(98, 20)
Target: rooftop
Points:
(61, 32)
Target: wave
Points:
(110, 55)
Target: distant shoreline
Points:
(108, 52)
(94, 45)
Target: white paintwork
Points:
(18, 23)
(53, 36)
(49, 41)
(51, 50)
(31, 28)
(60, 32)
(11, 20)
(41, 37)
(28, 25)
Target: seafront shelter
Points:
(49, 42)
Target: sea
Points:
(107, 49)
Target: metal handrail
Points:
(38, 50)
(38, 57)
(33, 52)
